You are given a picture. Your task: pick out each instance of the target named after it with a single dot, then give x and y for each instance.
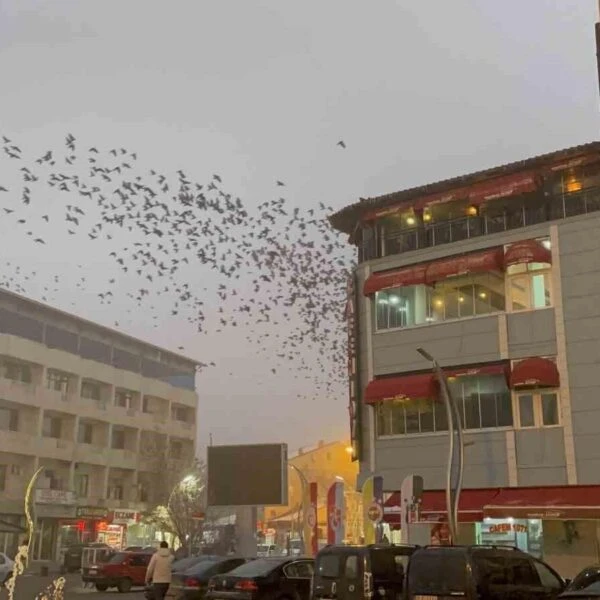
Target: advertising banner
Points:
(335, 513)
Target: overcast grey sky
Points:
(257, 90)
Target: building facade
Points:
(497, 275)
(104, 414)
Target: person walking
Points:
(159, 571)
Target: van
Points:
(358, 572)
(479, 573)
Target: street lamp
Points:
(305, 502)
(452, 492)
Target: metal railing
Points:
(435, 234)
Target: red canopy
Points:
(578, 161)
(535, 372)
(407, 386)
(433, 505)
(552, 502)
(502, 187)
(476, 262)
(527, 251)
(386, 280)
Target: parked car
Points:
(480, 573)
(355, 572)
(272, 578)
(266, 550)
(6, 568)
(192, 583)
(123, 570)
(73, 555)
(585, 585)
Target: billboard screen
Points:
(249, 475)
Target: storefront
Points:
(88, 523)
(117, 533)
(55, 515)
(560, 524)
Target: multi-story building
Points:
(497, 275)
(101, 412)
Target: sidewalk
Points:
(35, 567)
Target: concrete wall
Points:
(541, 456)
(580, 270)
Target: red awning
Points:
(433, 505)
(493, 369)
(407, 386)
(477, 262)
(556, 502)
(502, 187)
(527, 251)
(441, 198)
(575, 162)
(386, 280)
(535, 372)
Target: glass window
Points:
(483, 401)
(3, 472)
(51, 427)
(526, 413)
(548, 579)
(549, 408)
(401, 307)
(118, 439)
(351, 568)
(9, 419)
(328, 565)
(530, 286)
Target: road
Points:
(29, 587)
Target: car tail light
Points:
(191, 582)
(246, 585)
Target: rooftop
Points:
(346, 219)
(109, 332)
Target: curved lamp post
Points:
(304, 491)
(453, 489)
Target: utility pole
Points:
(598, 44)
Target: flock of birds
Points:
(279, 271)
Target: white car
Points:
(6, 567)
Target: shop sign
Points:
(353, 381)
(508, 528)
(125, 517)
(92, 512)
(48, 496)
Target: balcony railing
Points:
(436, 234)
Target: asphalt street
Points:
(30, 588)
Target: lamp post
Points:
(454, 422)
(304, 488)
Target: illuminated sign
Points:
(508, 528)
(353, 382)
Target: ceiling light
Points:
(382, 301)
(410, 220)
(439, 303)
(426, 216)
(461, 298)
(472, 211)
(394, 299)
(482, 295)
(546, 244)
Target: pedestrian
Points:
(159, 571)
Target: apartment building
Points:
(101, 412)
(497, 275)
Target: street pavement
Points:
(30, 586)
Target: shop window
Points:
(538, 408)
(529, 286)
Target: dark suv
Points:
(480, 573)
(356, 572)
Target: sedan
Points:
(272, 578)
(6, 568)
(585, 585)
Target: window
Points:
(484, 402)
(179, 413)
(118, 439)
(55, 380)
(3, 473)
(529, 286)
(82, 482)
(17, 371)
(139, 560)
(9, 419)
(90, 390)
(146, 405)
(86, 433)
(115, 492)
(547, 577)
(176, 449)
(351, 567)
(51, 427)
(538, 408)
(298, 570)
(328, 565)
(124, 398)
(451, 298)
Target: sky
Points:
(259, 90)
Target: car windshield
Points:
(588, 580)
(437, 573)
(117, 558)
(256, 568)
(185, 563)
